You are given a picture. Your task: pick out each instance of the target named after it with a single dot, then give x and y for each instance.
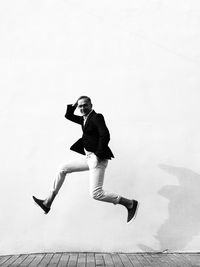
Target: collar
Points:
(85, 117)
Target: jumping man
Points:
(94, 146)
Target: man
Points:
(94, 146)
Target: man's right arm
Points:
(70, 114)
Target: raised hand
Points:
(75, 104)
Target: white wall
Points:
(139, 62)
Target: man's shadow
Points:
(183, 221)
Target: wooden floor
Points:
(102, 259)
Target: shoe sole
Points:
(134, 215)
(35, 202)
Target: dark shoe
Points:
(40, 203)
(132, 212)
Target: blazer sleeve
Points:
(104, 135)
(70, 115)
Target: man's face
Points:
(84, 106)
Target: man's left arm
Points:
(104, 136)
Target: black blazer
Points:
(95, 136)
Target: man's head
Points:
(84, 104)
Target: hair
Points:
(86, 97)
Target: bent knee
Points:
(97, 194)
(64, 169)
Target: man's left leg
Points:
(97, 172)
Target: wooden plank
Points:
(187, 258)
(176, 261)
(36, 260)
(72, 260)
(27, 261)
(181, 260)
(4, 259)
(151, 260)
(19, 260)
(165, 260)
(156, 261)
(125, 260)
(108, 260)
(63, 260)
(81, 262)
(99, 260)
(46, 259)
(134, 260)
(10, 260)
(193, 259)
(90, 260)
(116, 260)
(55, 260)
(164, 257)
(143, 261)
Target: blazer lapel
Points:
(84, 126)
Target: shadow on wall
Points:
(183, 221)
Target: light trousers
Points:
(96, 170)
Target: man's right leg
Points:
(73, 166)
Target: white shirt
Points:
(85, 117)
